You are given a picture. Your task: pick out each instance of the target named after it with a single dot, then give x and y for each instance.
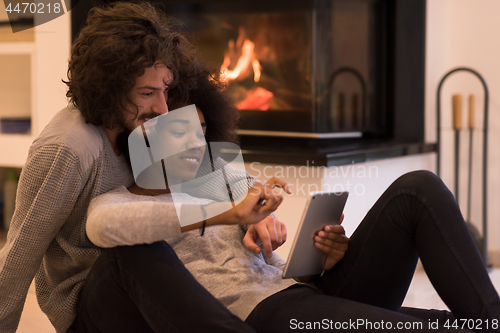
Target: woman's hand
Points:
(270, 231)
(261, 200)
(333, 241)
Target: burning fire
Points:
(244, 47)
(241, 53)
(243, 62)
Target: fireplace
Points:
(317, 69)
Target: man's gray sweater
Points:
(70, 163)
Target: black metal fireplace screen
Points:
(312, 65)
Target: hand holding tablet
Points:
(322, 209)
(333, 242)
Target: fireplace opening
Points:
(314, 69)
(314, 65)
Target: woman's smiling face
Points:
(182, 136)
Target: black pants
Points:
(147, 289)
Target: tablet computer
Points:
(322, 208)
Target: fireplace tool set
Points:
(457, 107)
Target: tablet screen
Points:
(322, 208)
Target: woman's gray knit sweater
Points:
(69, 164)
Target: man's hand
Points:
(270, 231)
(333, 241)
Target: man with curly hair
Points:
(122, 65)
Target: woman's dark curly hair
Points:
(119, 42)
(219, 111)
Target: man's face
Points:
(150, 94)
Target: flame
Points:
(243, 62)
(256, 70)
(242, 53)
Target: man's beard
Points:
(128, 127)
(132, 124)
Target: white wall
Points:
(52, 42)
(465, 33)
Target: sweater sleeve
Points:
(113, 220)
(49, 186)
(275, 261)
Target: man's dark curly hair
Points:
(115, 47)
